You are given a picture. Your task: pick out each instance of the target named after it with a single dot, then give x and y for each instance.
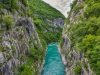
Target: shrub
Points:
(26, 70)
(14, 4)
(77, 70)
(24, 2)
(93, 10)
(11, 4)
(2, 5)
(8, 20)
(1, 48)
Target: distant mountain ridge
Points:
(61, 5)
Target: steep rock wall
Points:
(18, 41)
(15, 46)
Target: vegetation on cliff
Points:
(85, 32)
(15, 17)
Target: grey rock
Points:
(1, 57)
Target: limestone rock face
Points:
(16, 45)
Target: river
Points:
(53, 64)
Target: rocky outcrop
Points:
(16, 46)
(56, 23)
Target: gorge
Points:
(49, 37)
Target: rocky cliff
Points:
(80, 43)
(18, 37)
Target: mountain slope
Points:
(81, 38)
(62, 5)
(48, 21)
(26, 26)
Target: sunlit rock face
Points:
(62, 5)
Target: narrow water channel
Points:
(53, 62)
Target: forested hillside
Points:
(49, 22)
(82, 32)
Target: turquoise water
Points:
(53, 63)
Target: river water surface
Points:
(53, 62)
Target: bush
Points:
(89, 2)
(8, 20)
(93, 10)
(77, 70)
(11, 4)
(1, 48)
(14, 4)
(25, 70)
(24, 2)
(2, 5)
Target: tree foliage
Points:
(85, 35)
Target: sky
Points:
(61, 5)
